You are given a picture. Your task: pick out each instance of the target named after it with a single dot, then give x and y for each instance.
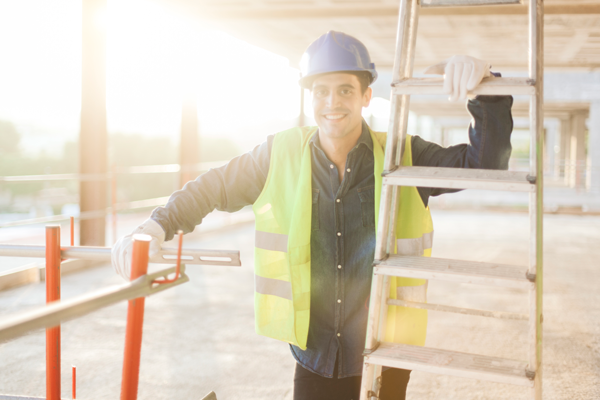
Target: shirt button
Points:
(337, 200)
(339, 301)
(339, 334)
(339, 267)
(331, 166)
(348, 170)
(339, 233)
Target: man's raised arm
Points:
(228, 188)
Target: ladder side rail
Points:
(376, 382)
(400, 125)
(368, 369)
(375, 302)
(403, 64)
(536, 198)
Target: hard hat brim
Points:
(306, 81)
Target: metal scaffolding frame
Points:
(141, 285)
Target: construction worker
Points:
(315, 192)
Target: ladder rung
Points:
(489, 86)
(453, 3)
(454, 271)
(460, 178)
(458, 310)
(453, 363)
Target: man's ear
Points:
(367, 97)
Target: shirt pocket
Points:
(315, 210)
(367, 205)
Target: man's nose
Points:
(332, 100)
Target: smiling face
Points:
(337, 102)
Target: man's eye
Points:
(346, 92)
(321, 93)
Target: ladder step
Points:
(460, 178)
(453, 3)
(452, 363)
(460, 271)
(458, 310)
(489, 86)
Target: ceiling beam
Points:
(251, 13)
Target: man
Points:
(313, 191)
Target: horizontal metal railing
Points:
(132, 205)
(109, 176)
(58, 312)
(91, 253)
(141, 169)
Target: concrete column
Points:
(552, 144)
(93, 153)
(578, 156)
(565, 148)
(594, 146)
(443, 136)
(559, 157)
(189, 143)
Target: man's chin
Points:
(333, 133)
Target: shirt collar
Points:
(364, 139)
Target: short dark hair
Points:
(364, 78)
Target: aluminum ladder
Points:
(379, 353)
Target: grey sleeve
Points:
(228, 188)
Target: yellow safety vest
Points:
(282, 244)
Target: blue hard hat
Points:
(335, 52)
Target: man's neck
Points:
(337, 149)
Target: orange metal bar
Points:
(74, 381)
(177, 269)
(135, 321)
(53, 294)
(72, 231)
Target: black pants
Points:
(311, 386)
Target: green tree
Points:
(9, 138)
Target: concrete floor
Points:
(200, 336)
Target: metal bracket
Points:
(377, 262)
(531, 179)
(368, 352)
(373, 395)
(530, 374)
(530, 277)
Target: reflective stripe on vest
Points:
(273, 287)
(271, 241)
(416, 246)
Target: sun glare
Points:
(156, 57)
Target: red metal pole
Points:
(53, 294)
(74, 382)
(72, 231)
(135, 321)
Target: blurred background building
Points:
(97, 87)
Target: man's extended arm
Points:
(489, 136)
(227, 188)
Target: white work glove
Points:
(121, 252)
(461, 74)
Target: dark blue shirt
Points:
(343, 222)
